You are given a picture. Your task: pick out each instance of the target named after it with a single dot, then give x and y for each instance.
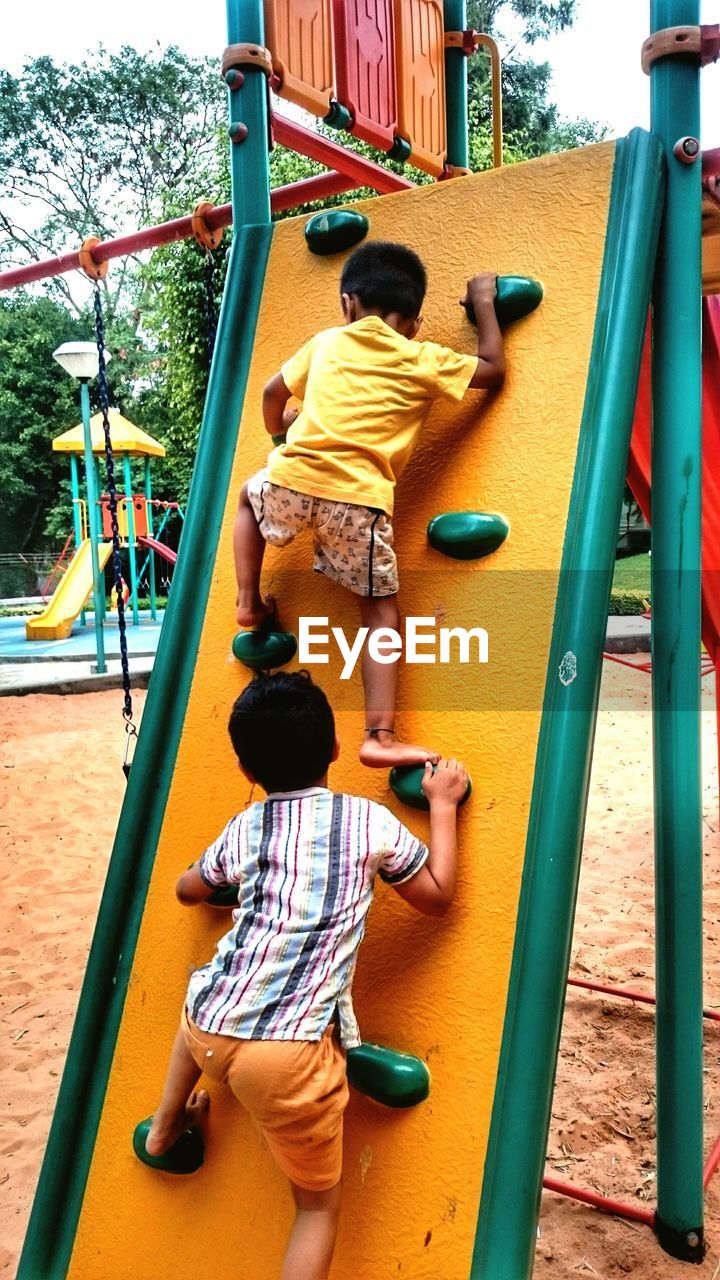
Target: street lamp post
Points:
(80, 360)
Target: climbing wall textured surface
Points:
(436, 988)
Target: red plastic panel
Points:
(364, 67)
(420, 58)
(299, 36)
(639, 476)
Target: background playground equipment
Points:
(137, 514)
(586, 224)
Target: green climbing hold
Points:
(264, 650)
(406, 784)
(335, 231)
(467, 535)
(226, 896)
(392, 1078)
(184, 1156)
(515, 297)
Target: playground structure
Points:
(485, 1003)
(136, 514)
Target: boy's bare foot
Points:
(255, 613)
(381, 750)
(166, 1130)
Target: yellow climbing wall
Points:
(437, 988)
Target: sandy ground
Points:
(61, 791)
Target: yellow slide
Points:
(55, 621)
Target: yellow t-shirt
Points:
(366, 391)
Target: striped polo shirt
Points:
(304, 863)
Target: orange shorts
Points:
(295, 1090)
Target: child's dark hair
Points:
(389, 277)
(283, 731)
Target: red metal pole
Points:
(365, 173)
(630, 1211)
(625, 993)
(317, 188)
(711, 163)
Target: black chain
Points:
(112, 493)
(210, 306)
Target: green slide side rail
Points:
(509, 1207)
(58, 1200)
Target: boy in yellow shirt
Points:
(366, 390)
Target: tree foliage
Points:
(37, 402)
(92, 147)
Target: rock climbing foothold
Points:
(184, 1156)
(515, 297)
(264, 650)
(225, 897)
(467, 535)
(387, 1076)
(406, 784)
(335, 231)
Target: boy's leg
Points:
(249, 549)
(312, 1239)
(380, 748)
(180, 1108)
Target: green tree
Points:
(37, 402)
(531, 122)
(92, 147)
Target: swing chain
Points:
(210, 306)
(130, 729)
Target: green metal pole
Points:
(676, 482)
(131, 538)
(456, 87)
(98, 585)
(77, 522)
(514, 1163)
(151, 557)
(248, 111)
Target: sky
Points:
(596, 64)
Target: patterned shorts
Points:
(353, 545)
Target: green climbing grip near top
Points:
(387, 1076)
(467, 535)
(264, 650)
(335, 230)
(515, 297)
(184, 1156)
(406, 783)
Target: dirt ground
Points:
(61, 789)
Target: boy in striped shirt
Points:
(271, 1014)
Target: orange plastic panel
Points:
(364, 67)
(299, 36)
(420, 60)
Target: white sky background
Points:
(596, 64)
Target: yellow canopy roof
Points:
(125, 436)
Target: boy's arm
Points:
(275, 397)
(490, 371)
(432, 888)
(191, 888)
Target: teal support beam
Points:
(127, 471)
(515, 1160)
(77, 518)
(676, 484)
(99, 476)
(249, 120)
(93, 532)
(151, 557)
(456, 87)
(75, 491)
